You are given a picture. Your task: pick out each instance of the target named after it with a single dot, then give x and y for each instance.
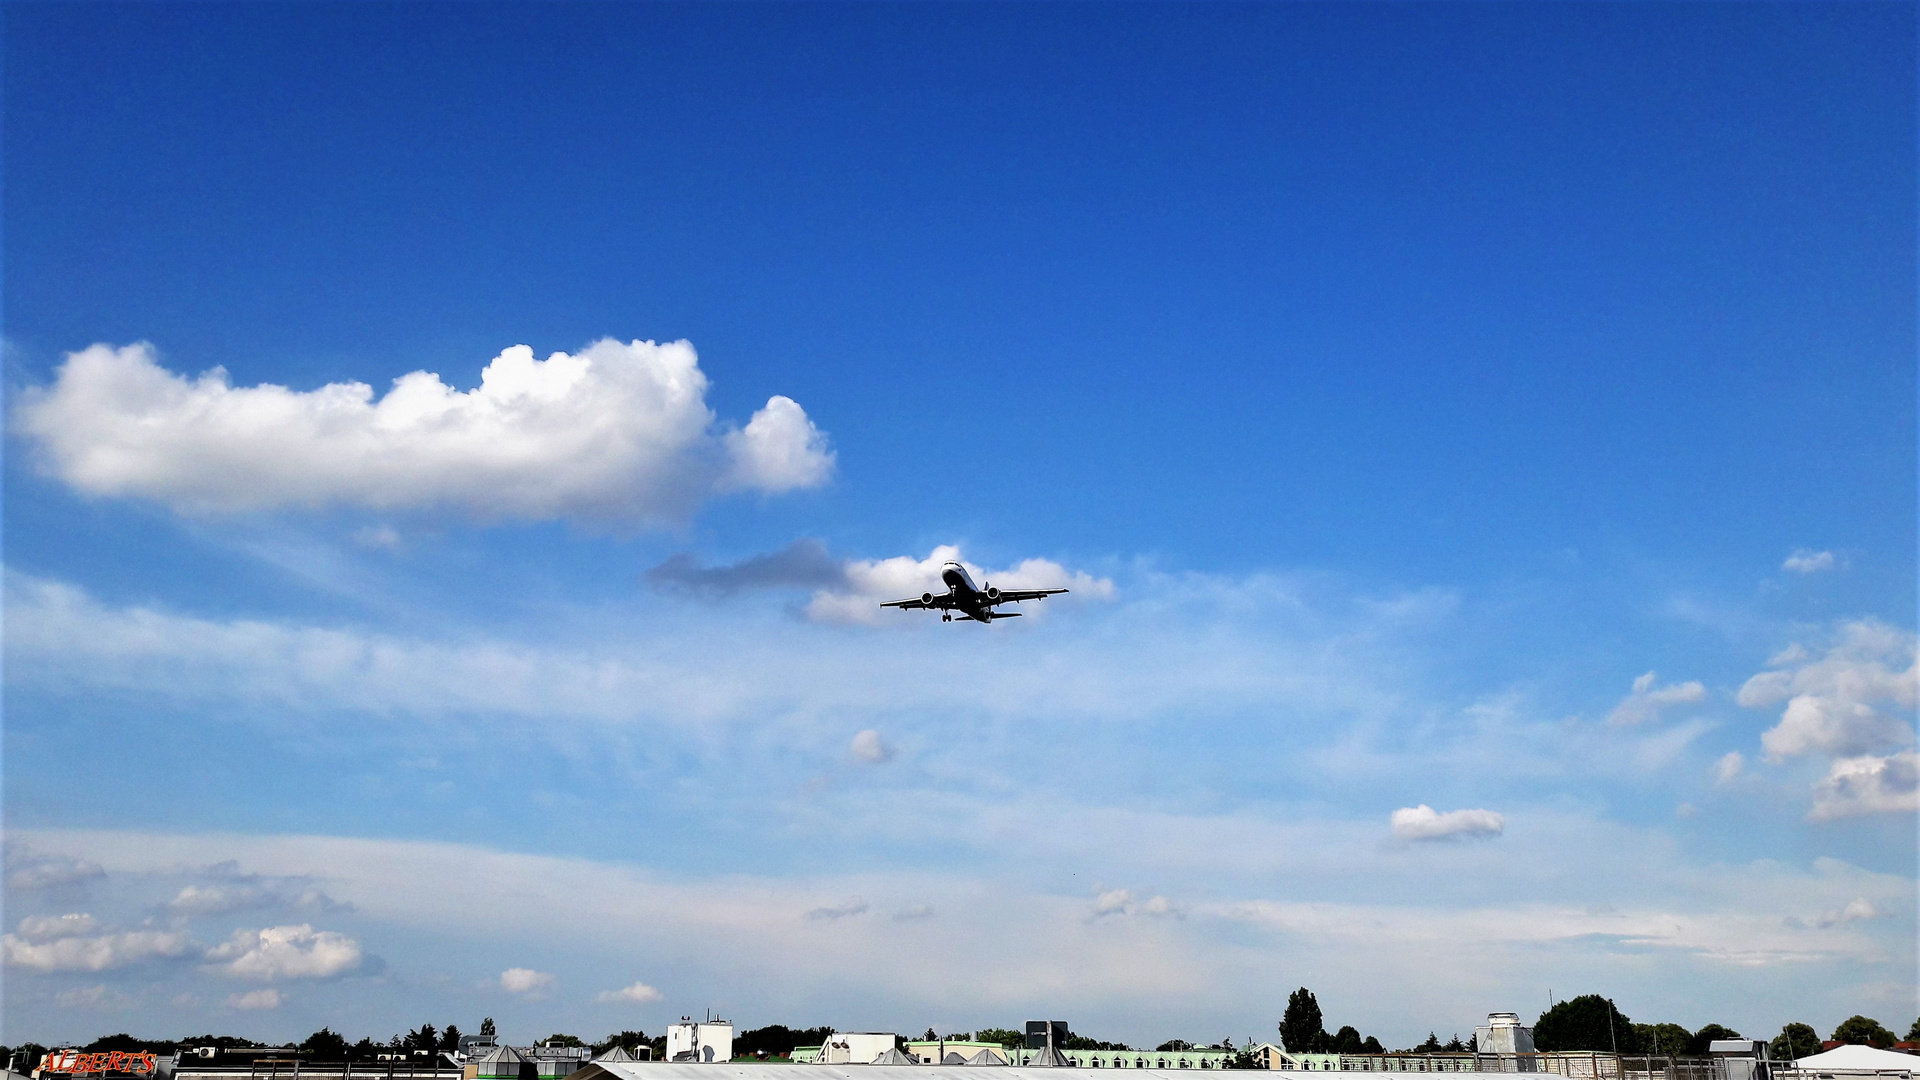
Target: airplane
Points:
(971, 601)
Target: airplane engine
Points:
(993, 593)
(926, 598)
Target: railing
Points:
(300, 1069)
(1575, 1065)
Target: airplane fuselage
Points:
(967, 596)
(970, 600)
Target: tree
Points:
(1588, 1022)
(1081, 1042)
(124, 1041)
(29, 1054)
(778, 1040)
(1372, 1046)
(1670, 1039)
(1862, 1031)
(1010, 1038)
(1301, 1029)
(1455, 1046)
(326, 1045)
(486, 1026)
(450, 1038)
(557, 1039)
(424, 1039)
(1173, 1045)
(1702, 1039)
(1431, 1046)
(1347, 1041)
(1794, 1042)
(625, 1040)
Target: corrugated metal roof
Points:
(771, 1070)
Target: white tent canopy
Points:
(1861, 1059)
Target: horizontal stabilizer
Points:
(1006, 614)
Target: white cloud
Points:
(1327, 895)
(1423, 822)
(872, 582)
(98, 998)
(76, 942)
(1857, 908)
(59, 637)
(1737, 939)
(287, 952)
(912, 912)
(219, 899)
(616, 432)
(53, 927)
(778, 450)
(528, 983)
(29, 871)
(381, 537)
(1835, 701)
(1868, 785)
(1805, 561)
(1646, 700)
(1729, 767)
(639, 993)
(868, 746)
(1123, 902)
(253, 1000)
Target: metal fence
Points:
(298, 1069)
(1571, 1065)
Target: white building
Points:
(856, 1047)
(1502, 1034)
(700, 1040)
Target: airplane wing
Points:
(940, 601)
(1014, 596)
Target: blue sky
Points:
(1481, 441)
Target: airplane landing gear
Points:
(946, 616)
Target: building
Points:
(701, 1040)
(855, 1047)
(1502, 1034)
(943, 1051)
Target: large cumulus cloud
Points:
(1851, 703)
(615, 432)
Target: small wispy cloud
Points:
(804, 564)
(1858, 908)
(1807, 561)
(639, 993)
(29, 871)
(842, 910)
(1124, 902)
(526, 982)
(256, 1000)
(869, 747)
(1729, 768)
(96, 997)
(1423, 822)
(1645, 701)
